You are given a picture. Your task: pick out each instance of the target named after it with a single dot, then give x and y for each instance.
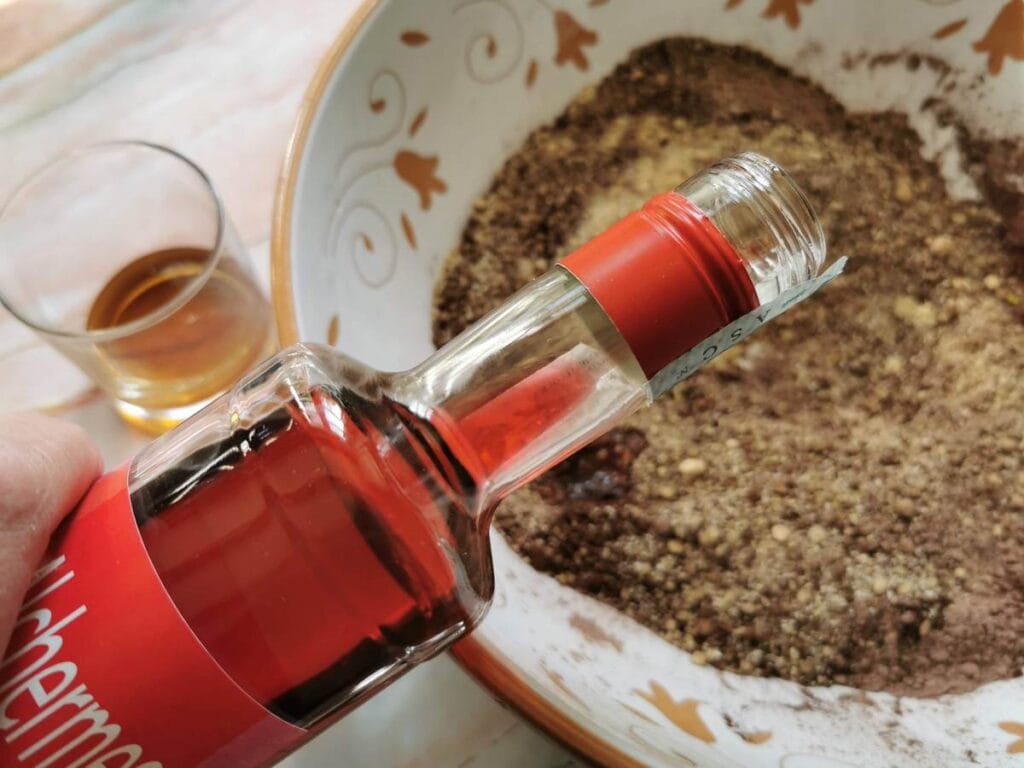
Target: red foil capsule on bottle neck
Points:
(666, 277)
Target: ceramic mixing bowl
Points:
(413, 110)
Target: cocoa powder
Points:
(840, 499)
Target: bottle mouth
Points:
(765, 216)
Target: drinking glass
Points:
(121, 257)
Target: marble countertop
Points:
(220, 82)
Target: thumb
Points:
(46, 465)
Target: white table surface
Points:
(219, 80)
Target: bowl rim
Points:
(474, 655)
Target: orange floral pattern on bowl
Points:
(1004, 38)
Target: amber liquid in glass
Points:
(193, 352)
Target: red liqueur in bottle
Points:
(323, 527)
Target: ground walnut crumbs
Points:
(840, 499)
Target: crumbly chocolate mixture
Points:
(841, 498)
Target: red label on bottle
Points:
(103, 672)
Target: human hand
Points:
(46, 466)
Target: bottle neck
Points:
(528, 385)
(572, 354)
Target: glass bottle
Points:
(323, 527)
